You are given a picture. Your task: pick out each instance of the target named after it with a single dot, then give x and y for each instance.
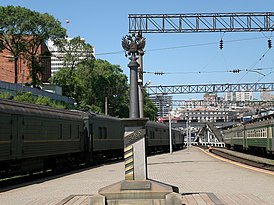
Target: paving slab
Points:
(201, 179)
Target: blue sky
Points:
(103, 23)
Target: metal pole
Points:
(187, 143)
(106, 105)
(133, 45)
(134, 99)
(141, 98)
(189, 133)
(140, 84)
(170, 137)
(208, 140)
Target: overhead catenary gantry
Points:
(203, 103)
(201, 22)
(210, 88)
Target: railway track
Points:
(251, 160)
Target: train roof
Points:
(156, 124)
(261, 118)
(104, 117)
(251, 121)
(14, 107)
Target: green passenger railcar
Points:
(35, 137)
(255, 135)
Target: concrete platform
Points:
(201, 179)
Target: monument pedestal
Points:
(137, 192)
(136, 188)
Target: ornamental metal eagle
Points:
(133, 44)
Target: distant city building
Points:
(265, 95)
(238, 96)
(57, 59)
(230, 96)
(206, 115)
(211, 98)
(161, 102)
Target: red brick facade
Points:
(7, 67)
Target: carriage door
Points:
(91, 136)
(17, 136)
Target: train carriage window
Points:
(66, 131)
(100, 132)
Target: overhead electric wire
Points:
(109, 53)
(183, 46)
(257, 70)
(264, 76)
(251, 68)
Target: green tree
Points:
(70, 82)
(41, 27)
(150, 110)
(89, 83)
(92, 81)
(74, 51)
(22, 33)
(105, 80)
(13, 28)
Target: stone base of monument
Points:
(137, 192)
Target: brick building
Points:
(7, 66)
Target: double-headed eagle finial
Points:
(133, 44)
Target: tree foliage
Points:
(13, 27)
(70, 82)
(22, 33)
(106, 80)
(89, 84)
(89, 81)
(73, 51)
(27, 97)
(94, 81)
(150, 110)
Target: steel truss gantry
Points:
(201, 22)
(210, 88)
(202, 103)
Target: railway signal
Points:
(221, 44)
(269, 43)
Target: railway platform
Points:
(202, 179)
